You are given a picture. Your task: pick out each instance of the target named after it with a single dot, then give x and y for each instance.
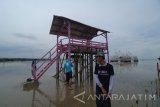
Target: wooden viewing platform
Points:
(78, 42)
(83, 46)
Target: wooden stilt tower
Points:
(77, 44)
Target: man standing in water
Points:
(34, 68)
(104, 81)
(68, 70)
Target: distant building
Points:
(119, 57)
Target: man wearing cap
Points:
(104, 81)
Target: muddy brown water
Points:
(135, 85)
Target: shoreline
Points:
(19, 59)
(37, 59)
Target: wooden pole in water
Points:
(66, 55)
(81, 69)
(82, 65)
(87, 66)
(57, 61)
(69, 37)
(76, 66)
(91, 66)
(107, 46)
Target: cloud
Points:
(25, 36)
(134, 25)
(23, 51)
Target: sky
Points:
(134, 25)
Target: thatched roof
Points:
(78, 30)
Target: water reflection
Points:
(61, 96)
(38, 94)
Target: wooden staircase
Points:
(54, 54)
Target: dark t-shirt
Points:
(104, 72)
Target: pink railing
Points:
(45, 57)
(51, 56)
(46, 61)
(84, 42)
(87, 43)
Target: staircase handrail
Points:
(49, 52)
(49, 55)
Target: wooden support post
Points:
(81, 69)
(61, 63)
(69, 37)
(107, 46)
(91, 66)
(57, 61)
(76, 66)
(66, 55)
(82, 66)
(87, 66)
